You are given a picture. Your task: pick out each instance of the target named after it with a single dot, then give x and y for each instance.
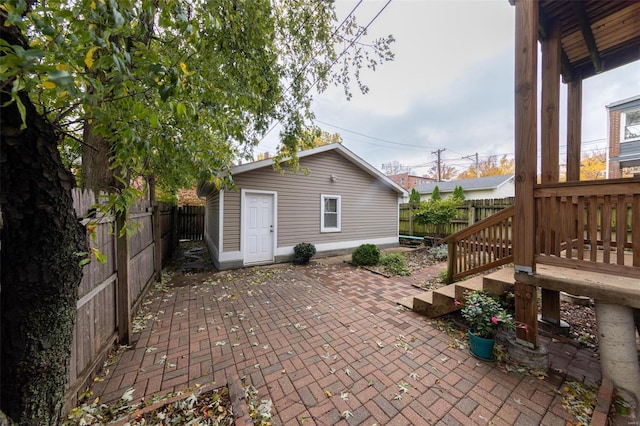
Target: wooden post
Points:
(451, 260)
(157, 240)
(157, 232)
(123, 293)
(526, 62)
(574, 127)
(410, 219)
(550, 142)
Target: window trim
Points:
(324, 197)
(623, 119)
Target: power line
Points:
(355, 39)
(370, 137)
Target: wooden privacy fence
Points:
(191, 223)
(132, 264)
(469, 212)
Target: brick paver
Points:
(295, 332)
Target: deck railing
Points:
(589, 225)
(480, 247)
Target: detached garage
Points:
(340, 203)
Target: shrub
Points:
(366, 255)
(435, 195)
(304, 252)
(458, 193)
(414, 197)
(439, 253)
(436, 212)
(394, 264)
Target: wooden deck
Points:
(602, 287)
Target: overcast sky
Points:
(450, 86)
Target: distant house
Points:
(624, 136)
(474, 189)
(408, 181)
(340, 203)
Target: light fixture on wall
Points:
(333, 178)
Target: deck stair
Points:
(438, 302)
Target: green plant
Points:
(485, 315)
(394, 264)
(304, 252)
(435, 195)
(366, 255)
(439, 253)
(458, 193)
(414, 197)
(436, 212)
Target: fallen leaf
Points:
(346, 414)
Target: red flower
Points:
(495, 320)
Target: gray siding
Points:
(231, 234)
(369, 208)
(212, 218)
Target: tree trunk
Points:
(41, 239)
(96, 165)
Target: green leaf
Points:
(60, 77)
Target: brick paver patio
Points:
(298, 333)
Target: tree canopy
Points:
(172, 90)
(180, 90)
(593, 166)
(492, 166)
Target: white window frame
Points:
(324, 197)
(623, 119)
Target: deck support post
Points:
(550, 145)
(526, 129)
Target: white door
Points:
(258, 228)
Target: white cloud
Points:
(451, 86)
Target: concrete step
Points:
(441, 301)
(499, 282)
(471, 284)
(436, 303)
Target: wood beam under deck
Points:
(526, 58)
(587, 34)
(550, 142)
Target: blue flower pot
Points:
(480, 347)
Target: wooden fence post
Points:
(451, 261)
(471, 213)
(411, 220)
(122, 264)
(157, 239)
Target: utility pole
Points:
(438, 152)
(470, 157)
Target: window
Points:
(630, 122)
(330, 216)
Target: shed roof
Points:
(483, 183)
(204, 188)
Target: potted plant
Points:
(303, 252)
(485, 317)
